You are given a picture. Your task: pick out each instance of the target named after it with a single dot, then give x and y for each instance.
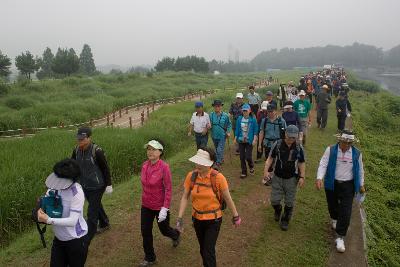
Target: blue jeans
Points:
(219, 149)
(201, 140)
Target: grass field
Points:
(79, 99)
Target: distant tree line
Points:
(188, 63)
(64, 63)
(355, 55)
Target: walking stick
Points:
(229, 150)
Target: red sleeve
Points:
(167, 180)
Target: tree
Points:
(164, 64)
(5, 64)
(26, 64)
(66, 62)
(45, 65)
(86, 62)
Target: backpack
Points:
(218, 195)
(51, 204)
(280, 125)
(225, 128)
(278, 158)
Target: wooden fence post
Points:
(113, 116)
(142, 117)
(148, 111)
(108, 119)
(152, 107)
(120, 113)
(130, 122)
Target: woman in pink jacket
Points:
(156, 199)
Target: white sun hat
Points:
(264, 105)
(302, 92)
(202, 158)
(154, 144)
(239, 95)
(58, 183)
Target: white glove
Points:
(163, 214)
(109, 189)
(348, 115)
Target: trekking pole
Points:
(229, 150)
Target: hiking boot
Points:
(278, 212)
(340, 244)
(333, 224)
(147, 263)
(101, 230)
(175, 242)
(287, 214)
(243, 175)
(252, 171)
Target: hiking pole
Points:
(229, 150)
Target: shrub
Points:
(18, 103)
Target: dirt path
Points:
(354, 242)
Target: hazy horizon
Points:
(130, 33)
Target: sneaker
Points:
(340, 244)
(101, 230)
(242, 176)
(147, 263)
(252, 171)
(284, 225)
(175, 242)
(333, 224)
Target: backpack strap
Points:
(213, 178)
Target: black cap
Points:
(271, 107)
(217, 102)
(83, 133)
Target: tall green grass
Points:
(78, 99)
(377, 124)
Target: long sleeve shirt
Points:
(254, 99)
(156, 185)
(344, 166)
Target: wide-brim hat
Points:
(202, 158)
(347, 137)
(58, 183)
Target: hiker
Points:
(303, 107)
(235, 111)
(289, 172)
(269, 97)
(271, 130)
(290, 116)
(246, 136)
(282, 95)
(156, 199)
(95, 180)
(323, 101)
(262, 113)
(310, 90)
(209, 193)
(220, 130)
(292, 92)
(341, 172)
(200, 124)
(343, 110)
(253, 99)
(69, 244)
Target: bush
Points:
(4, 88)
(18, 103)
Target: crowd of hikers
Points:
(278, 135)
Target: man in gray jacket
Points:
(323, 100)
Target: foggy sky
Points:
(130, 32)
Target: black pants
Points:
(207, 234)
(322, 117)
(71, 253)
(95, 214)
(340, 202)
(341, 120)
(246, 154)
(310, 96)
(147, 217)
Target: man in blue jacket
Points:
(341, 171)
(220, 130)
(246, 136)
